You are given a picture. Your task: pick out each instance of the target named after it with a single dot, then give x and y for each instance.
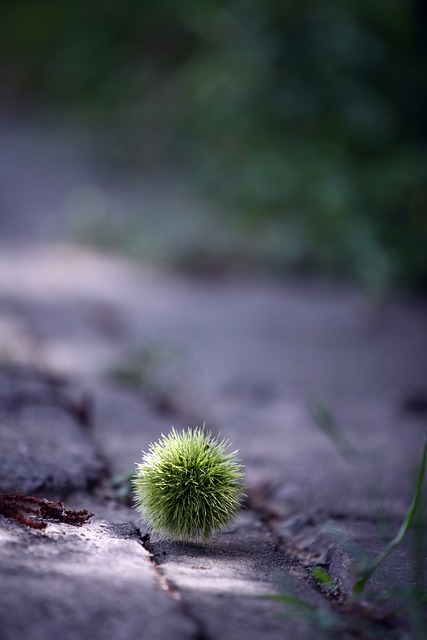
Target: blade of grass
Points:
(288, 598)
(323, 578)
(325, 420)
(359, 585)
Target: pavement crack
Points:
(201, 631)
(33, 386)
(162, 581)
(171, 588)
(301, 560)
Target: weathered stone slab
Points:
(261, 353)
(89, 583)
(226, 582)
(45, 440)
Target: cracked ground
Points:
(100, 356)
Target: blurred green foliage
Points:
(307, 120)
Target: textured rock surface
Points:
(45, 441)
(91, 582)
(255, 355)
(227, 583)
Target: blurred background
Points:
(268, 135)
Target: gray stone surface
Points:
(94, 582)
(255, 356)
(46, 445)
(227, 582)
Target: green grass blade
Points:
(359, 585)
(327, 423)
(288, 598)
(323, 578)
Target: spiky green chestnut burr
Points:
(188, 485)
